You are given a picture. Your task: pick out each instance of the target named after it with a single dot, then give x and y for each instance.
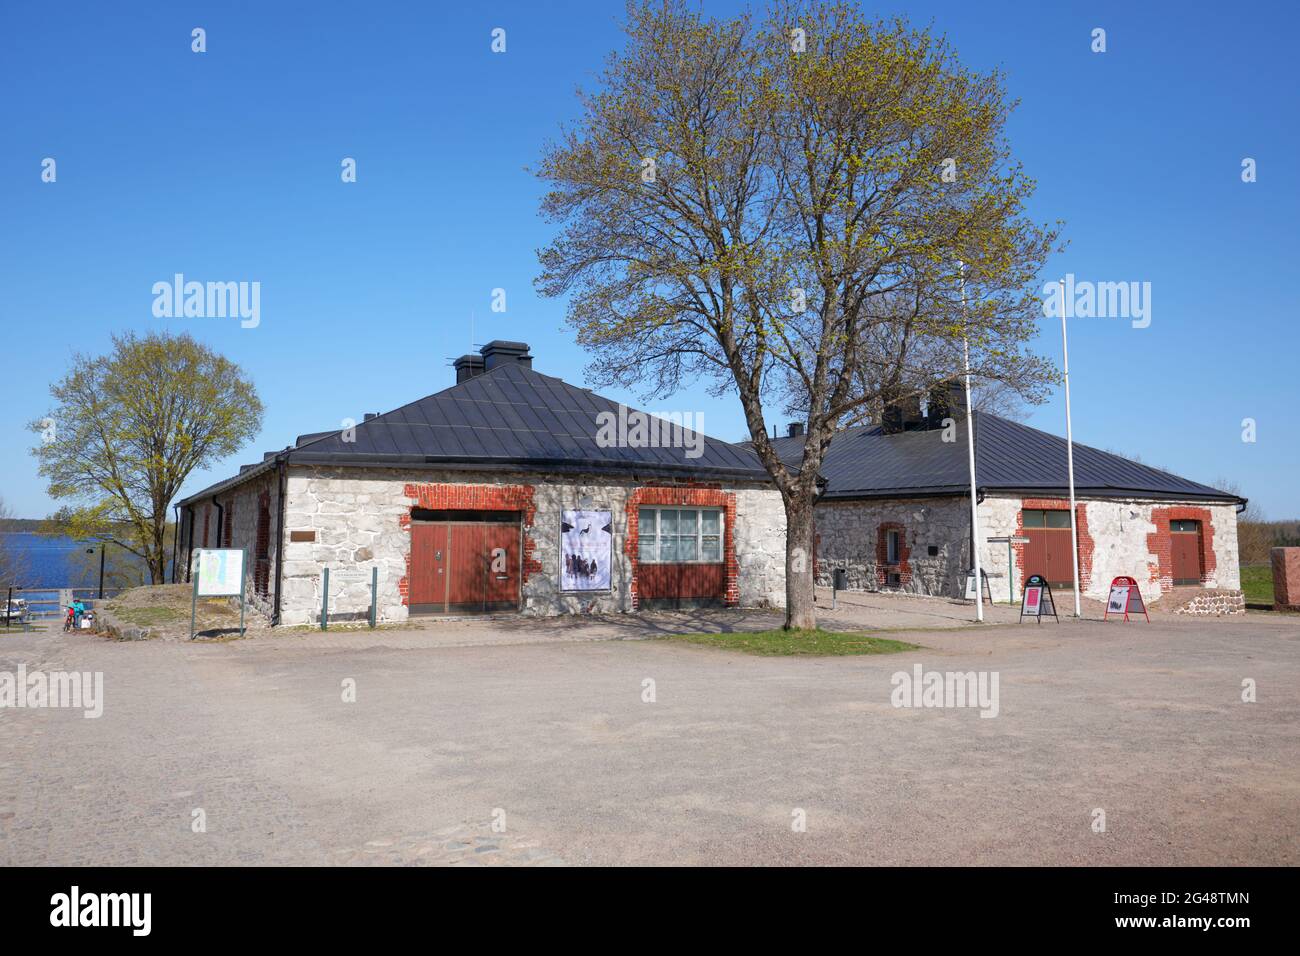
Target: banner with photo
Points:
(586, 549)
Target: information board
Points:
(220, 572)
(217, 572)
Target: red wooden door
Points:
(501, 549)
(1048, 550)
(464, 567)
(1185, 545)
(428, 579)
(467, 573)
(1048, 553)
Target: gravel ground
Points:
(509, 742)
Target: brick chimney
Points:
(467, 366)
(499, 352)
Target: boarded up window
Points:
(262, 552)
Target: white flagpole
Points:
(970, 447)
(1069, 455)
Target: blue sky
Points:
(225, 166)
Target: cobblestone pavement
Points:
(546, 753)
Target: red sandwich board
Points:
(1125, 596)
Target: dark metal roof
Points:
(864, 462)
(508, 418)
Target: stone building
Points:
(509, 491)
(895, 512)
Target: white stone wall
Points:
(1118, 528)
(357, 513)
(998, 517)
(760, 547)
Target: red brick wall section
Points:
(472, 498)
(702, 495)
(1285, 563)
(1086, 544)
(1160, 543)
(207, 520)
(228, 523)
(883, 568)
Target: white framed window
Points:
(680, 535)
(891, 546)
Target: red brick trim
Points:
(1160, 543)
(701, 495)
(1086, 544)
(436, 497)
(883, 568)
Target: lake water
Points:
(47, 563)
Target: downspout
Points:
(189, 545)
(176, 538)
(279, 541)
(1241, 505)
(221, 517)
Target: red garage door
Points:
(1048, 550)
(464, 565)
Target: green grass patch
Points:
(1257, 583)
(149, 616)
(781, 643)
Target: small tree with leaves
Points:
(129, 427)
(812, 212)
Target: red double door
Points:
(464, 567)
(1048, 553)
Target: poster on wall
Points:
(586, 548)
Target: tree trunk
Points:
(157, 560)
(800, 596)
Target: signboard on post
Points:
(1125, 596)
(1037, 601)
(221, 572)
(1009, 540)
(347, 585)
(970, 585)
(218, 572)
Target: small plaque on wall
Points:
(302, 535)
